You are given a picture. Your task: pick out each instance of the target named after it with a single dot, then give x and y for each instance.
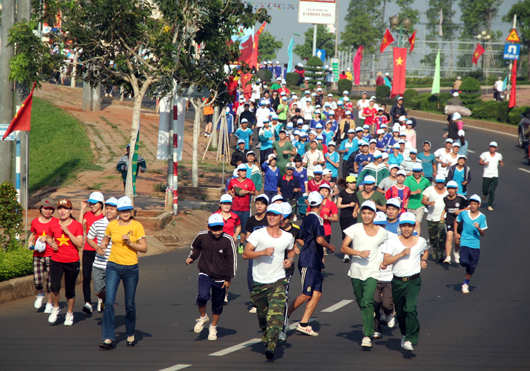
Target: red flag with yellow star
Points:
(400, 72)
(479, 50)
(387, 40)
(22, 119)
(412, 41)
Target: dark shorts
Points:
(208, 118)
(451, 227)
(311, 280)
(70, 271)
(243, 216)
(217, 294)
(469, 258)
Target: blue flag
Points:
(290, 53)
(505, 83)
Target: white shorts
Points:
(418, 213)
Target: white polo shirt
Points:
(363, 268)
(408, 265)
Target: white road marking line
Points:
(526, 171)
(235, 348)
(471, 127)
(470, 151)
(292, 326)
(176, 367)
(339, 305)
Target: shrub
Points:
(344, 84)
(419, 101)
(491, 110)
(17, 262)
(292, 78)
(315, 61)
(470, 85)
(314, 71)
(409, 94)
(442, 99)
(10, 216)
(514, 117)
(382, 91)
(264, 74)
(471, 100)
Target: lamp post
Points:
(484, 37)
(395, 21)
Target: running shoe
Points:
(48, 308)
(106, 345)
(53, 316)
(226, 298)
(490, 208)
(407, 345)
(447, 260)
(366, 343)
(269, 353)
(306, 330)
(391, 321)
(212, 335)
(457, 257)
(38, 301)
(465, 288)
(377, 335)
(346, 259)
(69, 320)
(200, 324)
(101, 306)
(253, 310)
(87, 308)
(283, 336)
(240, 248)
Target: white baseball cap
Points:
(325, 172)
(456, 116)
(96, 197)
(226, 198)
(417, 167)
(216, 220)
(380, 131)
(401, 172)
(378, 154)
(263, 197)
(275, 209)
(241, 167)
(125, 203)
(402, 118)
(380, 218)
(493, 144)
(440, 178)
(413, 150)
(407, 218)
(394, 202)
(318, 169)
(286, 209)
(448, 140)
(325, 185)
(369, 204)
(277, 198)
(346, 92)
(113, 201)
(369, 179)
(475, 198)
(452, 184)
(314, 198)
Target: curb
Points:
(22, 287)
(504, 128)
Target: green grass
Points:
(59, 146)
(95, 187)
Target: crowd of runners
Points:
(300, 166)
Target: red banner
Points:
(357, 65)
(412, 41)
(479, 50)
(387, 40)
(22, 119)
(400, 72)
(514, 85)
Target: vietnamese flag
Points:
(22, 119)
(412, 41)
(514, 85)
(400, 71)
(479, 50)
(387, 40)
(246, 51)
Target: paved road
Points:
(487, 329)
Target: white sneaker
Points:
(213, 333)
(38, 301)
(200, 324)
(391, 322)
(457, 257)
(100, 301)
(87, 308)
(69, 320)
(366, 343)
(283, 336)
(49, 307)
(306, 330)
(346, 259)
(253, 310)
(447, 260)
(490, 208)
(377, 335)
(407, 345)
(465, 289)
(53, 316)
(226, 298)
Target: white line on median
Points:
(526, 171)
(471, 127)
(176, 367)
(236, 348)
(339, 305)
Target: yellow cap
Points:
(351, 179)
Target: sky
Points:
(285, 22)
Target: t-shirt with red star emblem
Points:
(41, 230)
(67, 252)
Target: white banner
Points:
(166, 110)
(317, 11)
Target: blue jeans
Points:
(243, 216)
(129, 275)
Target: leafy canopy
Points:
(325, 40)
(268, 46)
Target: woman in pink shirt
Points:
(411, 134)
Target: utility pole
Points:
(508, 86)
(6, 93)
(315, 40)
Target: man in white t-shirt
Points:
(262, 113)
(408, 254)
(267, 246)
(490, 180)
(440, 156)
(361, 105)
(499, 85)
(366, 239)
(433, 199)
(256, 91)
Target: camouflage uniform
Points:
(269, 300)
(437, 239)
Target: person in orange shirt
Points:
(208, 117)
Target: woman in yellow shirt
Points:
(128, 238)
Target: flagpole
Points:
(508, 87)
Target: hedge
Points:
(344, 84)
(15, 263)
(470, 85)
(409, 94)
(292, 78)
(382, 91)
(427, 101)
(514, 117)
(491, 110)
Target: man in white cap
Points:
(417, 184)
(490, 179)
(498, 89)
(433, 199)
(277, 69)
(454, 204)
(310, 263)
(398, 110)
(361, 105)
(408, 255)
(365, 239)
(278, 84)
(268, 247)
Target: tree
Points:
(522, 9)
(268, 46)
(477, 16)
(325, 40)
(364, 25)
(407, 9)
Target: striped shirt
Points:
(97, 230)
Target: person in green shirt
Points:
(282, 110)
(369, 193)
(277, 84)
(284, 151)
(312, 135)
(417, 184)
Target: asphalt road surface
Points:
(485, 330)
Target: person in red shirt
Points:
(369, 113)
(314, 184)
(95, 203)
(343, 75)
(329, 211)
(232, 223)
(40, 228)
(379, 80)
(241, 189)
(65, 238)
(380, 119)
(284, 89)
(400, 191)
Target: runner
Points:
(241, 189)
(393, 211)
(123, 165)
(376, 169)
(454, 204)
(366, 240)
(347, 147)
(369, 193)
(314, 184)
(310, 263)
(461, 174)
(348, 205)
(284, 151)
(433, 198)
(332, 161)
(271, 176)
(409, 162)
(490, 179)
(253, 171)
(232, 222)
(313, 158)
(363, 158)
(428, 161)
(239, 156)
(289, 185)
(408, 254)
(328, 211)
(42, 251)
(417, 184)
(400, 191)
(95, 202)
(440, 157)
(395, 158)
(95, 236)
(128, 238)
(217, 266)
(473, 226)
(268, 246)
(66, 238)
(390, 180)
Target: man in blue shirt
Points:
(428, 161)
(347, 147)
(463, 143)
(473, 226)
(363, 158)
(313, 241)
(332, 161)
(244, 133)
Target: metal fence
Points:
(455, 57)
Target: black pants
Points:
(345, 222)
(263, 154)
(88, 260)
(70, 271)
(345, 168)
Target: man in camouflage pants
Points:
(268, 246)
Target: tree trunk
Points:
(132, 141)
(73, 77)
(196, 132)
